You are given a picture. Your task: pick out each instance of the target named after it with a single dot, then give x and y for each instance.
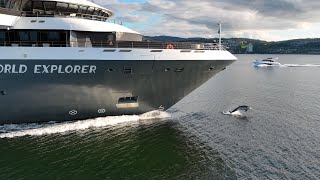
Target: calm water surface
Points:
(279, 139)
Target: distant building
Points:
(250, 48)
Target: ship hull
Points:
(48, 90)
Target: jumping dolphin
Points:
(239, 111)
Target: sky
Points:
(270, 20)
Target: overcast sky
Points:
(270, 20)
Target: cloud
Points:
(263, 19)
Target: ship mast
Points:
(219, 36)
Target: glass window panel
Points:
(101, 13)
(61, 7)
(90, 10)
(16, 5)
(3, 3)
(33, 36)
(44, 36)
(83, 9)
(49, 6)
(27, 6)
(8, 4)
(73, 8)
(53, 36)
(2, 36)
(96, 12)
(24, 36)
(38, 5)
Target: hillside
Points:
(241, 45)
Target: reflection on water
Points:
(134, 151)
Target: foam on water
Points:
(301, 65)
(289, 65)
(34, 129)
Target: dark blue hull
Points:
(40, 90)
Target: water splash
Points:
(34, 129)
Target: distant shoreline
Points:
(254, 46)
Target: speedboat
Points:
(266, 62)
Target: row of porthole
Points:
(75, 112)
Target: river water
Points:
(278, 139)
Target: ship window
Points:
(38, 5)
(53, 36)
(109, 50)
(73, 8)
(95, 12)
(24, 36)
(15, 4)
(90, 10)
(61, 8)
(125, 50)
(12, 2)
(34, 36)
(128, 99)
(49, 6)
(7, 4)
(3, 3)
(179, 69)
(27, 6)
(2, 36)
(83, 9)
(127, 70)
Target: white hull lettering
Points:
(13, 69)
(68, 69)
(48, 69)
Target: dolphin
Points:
(239, 111)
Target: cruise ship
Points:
(64, 60)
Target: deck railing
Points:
(119, 44)
(42, 13)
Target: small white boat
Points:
(266, 62)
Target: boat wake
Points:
(301, 65)
(236, 113)
(35, 129)
(289, 65)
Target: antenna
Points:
(220, 28)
